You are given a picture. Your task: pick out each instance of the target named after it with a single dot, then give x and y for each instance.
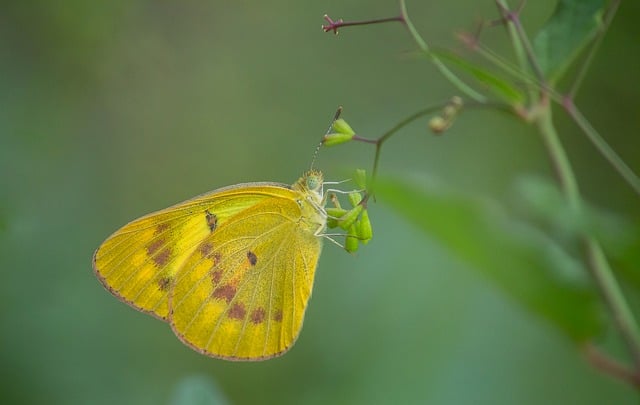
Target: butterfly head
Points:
(310, 182)
(312, 201)
(313, 180)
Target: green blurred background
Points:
(110, 110)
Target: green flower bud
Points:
(438, 125)
(351, 242)
(350, 217)
(354, 198)
(365, 232)
(341, 127)
(336, 139)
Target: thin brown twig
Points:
(608, 365)
(334, 25)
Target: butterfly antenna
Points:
(335, 117)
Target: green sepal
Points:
(336, 139)
(332, 223)
(350, 217)
(334, 212)
(341, 127)
(360, 179)
(333, 215)
(365, 232)
(351, 242)
(354, 198)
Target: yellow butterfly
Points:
(231, 270)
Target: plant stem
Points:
(396, 128)
(602, 146)
(524, 40)
(582, 71)
(622, 315)
(521, 55)
(334, 25)
(444, 70)
(597, 262)
(610, 366)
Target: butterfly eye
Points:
(313, 182)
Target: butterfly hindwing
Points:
(243, 293)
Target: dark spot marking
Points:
(216, 276)
(277, 316)
(163, 257)
(212, 220)
(226, 292)
(257, 315)
(164, 283)
(237, 311)
(253, 259)
(155, 246)
(206, 248)
(216, 258)
(161, 228)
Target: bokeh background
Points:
(110, 110)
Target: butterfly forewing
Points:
(139, 261)
(242, 293)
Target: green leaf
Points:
(541, 201)
(502, 88)
(517, 258)
(572, 26)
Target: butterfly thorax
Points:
(314, 217)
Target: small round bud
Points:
(457, 102)
(449, 111)
(438, 125)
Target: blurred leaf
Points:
(573, 24)
(497, 85)
(197, 390)
(520, 260)
(541, 201)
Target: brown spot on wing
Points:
(206, 248)
(164, 283)
(237, 311)
(253, 259)
(226, 292)
(212, 220)
(277, 316)
(162, 227)
(163, 257)
(216, 258)
(216, 276)
(154, 246)
(257, 315)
